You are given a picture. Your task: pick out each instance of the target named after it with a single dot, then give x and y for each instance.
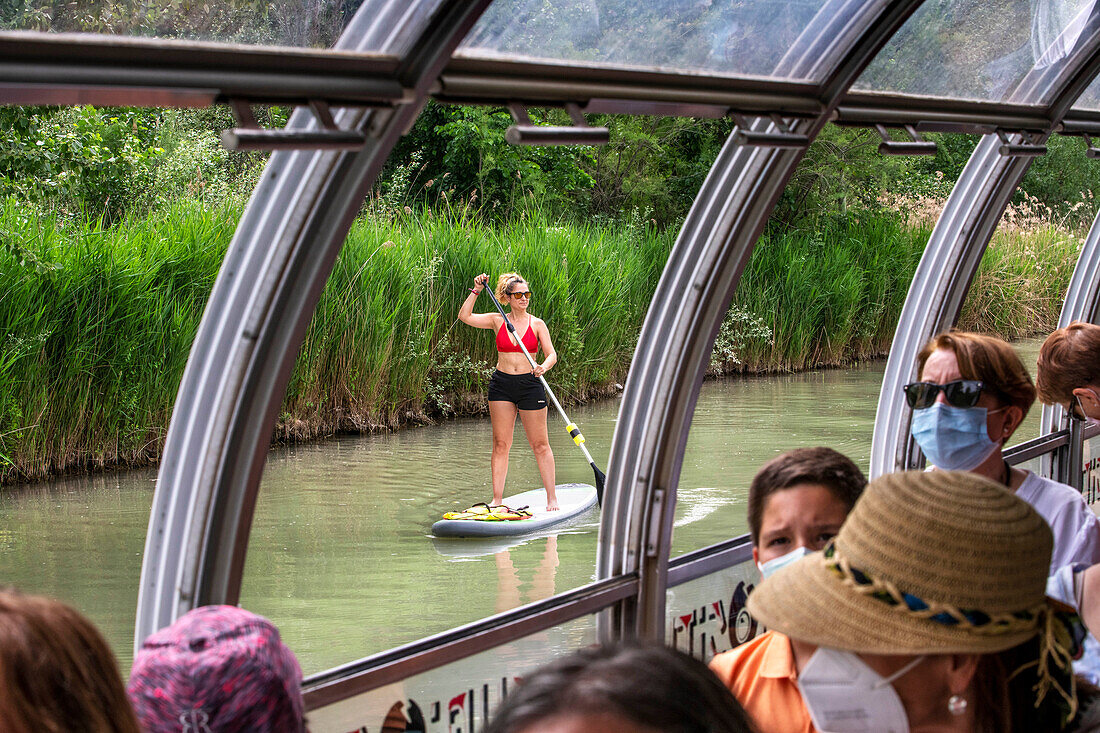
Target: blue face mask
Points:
(953, 438)
(769, 567)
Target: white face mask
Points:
(844, 695)
(769, 567)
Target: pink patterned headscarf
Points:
(217, 668)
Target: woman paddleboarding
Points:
(515, 387)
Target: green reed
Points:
(1021, 283)
(826, 296)
(97, 322)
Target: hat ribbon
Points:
(883, 590)
(1061, 639)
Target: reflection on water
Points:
(81, 540)
(512, 592)
(340, 556)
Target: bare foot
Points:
(552, 506)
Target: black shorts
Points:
(525, 390)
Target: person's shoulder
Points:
(1056, 496)
(1050, 488)
(728, 665)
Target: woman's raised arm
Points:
(466, 312)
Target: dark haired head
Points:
(650, 685)
(821, 466)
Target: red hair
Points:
(989, 359)
(1069, 358)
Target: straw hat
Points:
(927, 562)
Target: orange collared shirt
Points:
(762, 675)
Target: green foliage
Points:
(304, 23)
(105, 317)
(385, 345)
(1064, 179)
(653, 166)
(1029, 268)
(80, 159)
(952, 153)
(828, 294)
(104, 163)
(110, 162)
(96, 323)
(840, 171)
(460, 153)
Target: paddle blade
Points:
(600, 479)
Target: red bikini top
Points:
(504, 342)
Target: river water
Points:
(341, 557)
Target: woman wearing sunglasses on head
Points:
(514, 387)
(1069, 370)
(972, 394)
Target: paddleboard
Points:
(574, 500)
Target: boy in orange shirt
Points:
(797, 502)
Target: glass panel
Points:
(52, 533)
(1090, 98)
(741, 423)
(296, 23)
(341, 559)
(1028, 350)
(1090, 459)
(456, 697)
(341, 554)
(1035, 465)
(707, 615)
(979, 50)
(745, 38)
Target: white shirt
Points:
(1075, 526)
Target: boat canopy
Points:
(1014, 71)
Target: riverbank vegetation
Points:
(113, 225)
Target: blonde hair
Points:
(506, 281)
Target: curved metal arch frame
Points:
(955, 250)
(692, 297)
(1082, 304)
(262, 302)
(1083, 294)
(939, 288)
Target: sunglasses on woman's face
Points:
(521, 294)
(960, 393)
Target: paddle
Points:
(574, 431)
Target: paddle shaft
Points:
(574, 431)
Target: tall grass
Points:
(1021, 281)
(386, 346)
(96, 322)
(828, 295)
